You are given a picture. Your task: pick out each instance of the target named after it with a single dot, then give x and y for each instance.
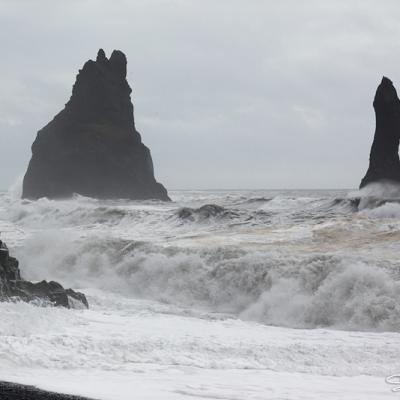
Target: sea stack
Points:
(384, 163)
(92, 146)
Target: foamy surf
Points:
(189, 295)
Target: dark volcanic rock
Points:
(205, 212)
(384, 164)
(92, 146)
(13, 287)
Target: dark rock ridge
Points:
(13, 287)
(92, 146)
(205, 212)
(384, 163)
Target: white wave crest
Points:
(356, 297)
(387, 210)
(270, 287)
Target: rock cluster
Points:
(92, 146)
(13, 287)
(384, 163)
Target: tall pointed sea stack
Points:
(92, 146)
(384, 163)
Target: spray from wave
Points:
(269, 287)
(380, 200)
(298, 259)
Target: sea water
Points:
(237, 294)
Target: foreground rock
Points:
(13, 287)
(14, 391)
(384, 163)
(92, 146)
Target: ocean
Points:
(233, 294)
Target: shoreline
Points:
(16, 391)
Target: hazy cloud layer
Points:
(227, 94)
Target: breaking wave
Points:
(270, 287)
(86, 212)
(304, 259)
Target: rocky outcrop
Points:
(92, 146)
(13, 287)
(384, 163)
(205, 212)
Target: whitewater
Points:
(239, 294)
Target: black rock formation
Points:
(92, 146)
(13, 287)
(205, 212)
(384, 163)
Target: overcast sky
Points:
(227, 94)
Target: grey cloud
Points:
(227, 93)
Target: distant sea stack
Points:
(384, 163)
(92, 146)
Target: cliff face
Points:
(384, 163)
(92, 147)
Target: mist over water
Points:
(303, 259)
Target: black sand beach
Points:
(14, 391)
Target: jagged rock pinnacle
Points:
(101, 57)
(92, 146)
(384, 163)
(118, 62)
